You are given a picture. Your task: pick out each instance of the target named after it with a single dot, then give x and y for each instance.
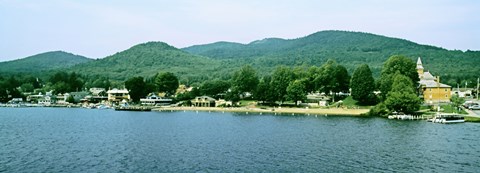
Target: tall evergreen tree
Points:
(363, 85)
(167, 82)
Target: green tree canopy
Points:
(397, 64)
(215, 87)
(281, 78)
(363, 85)
(245, 80)
(296, 91)
(167, 82)
(136, 87)
(264, 90)
(402, 97)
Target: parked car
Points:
(468, 104)
(474, 107)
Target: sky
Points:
(97, 29)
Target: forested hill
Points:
(42, 62)
(347, 48)
(219, 60)
(146, 60)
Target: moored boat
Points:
(142, 109)
(447, 118)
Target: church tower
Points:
(420, 68)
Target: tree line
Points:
(397, 84)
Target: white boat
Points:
(447, 118)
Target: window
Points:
(430, 89)
(446, 89)
(446, 95)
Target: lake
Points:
(85, 140)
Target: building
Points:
(116, 95)
(430, 88)
(154, 100)
(203, 101)
(98, 91)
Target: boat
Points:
(447, 118)
(141, 109)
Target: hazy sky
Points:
(100, 28)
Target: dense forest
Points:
(197, 64)
(41, 63)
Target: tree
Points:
(326, 80)
(456, 101)
(342, 78)
(245, 80)
(281, 78)
(296, 91)
(402, 97)
(397, 64)
(167, 82)
(136, 87)
(215, 87)
(70, 99)
(363, 85)
(264, 90)
(311, 84)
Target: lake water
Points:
(83, 140)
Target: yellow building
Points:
(117, 96)
(431, 89)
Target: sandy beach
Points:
(307, 111)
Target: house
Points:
(183, 89)
(203, 101)
(317, 99)
(98, 91)
(223, 102)
(463, 92)
(79, 96)
(47, 100)
(430, 88)
(34, 98)
(153, 99)
(118, 95)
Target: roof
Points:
(428, 76)
(117, 91)
(433, 84)
(419, 61)
(204, 98)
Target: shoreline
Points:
(309, 111)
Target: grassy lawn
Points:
(349, 102)
(472, 119)
(451, 109)
(246, 102)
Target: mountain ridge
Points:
(220, 59)
(42, 62)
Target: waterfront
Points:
(85, 140)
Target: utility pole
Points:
(478, 81)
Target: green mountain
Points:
(219, 60)
(42, 62)
(146, 60)
(347, 48)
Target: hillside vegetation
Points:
(219, 60)
(42, 62)
(347, 48)
(146, 60)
